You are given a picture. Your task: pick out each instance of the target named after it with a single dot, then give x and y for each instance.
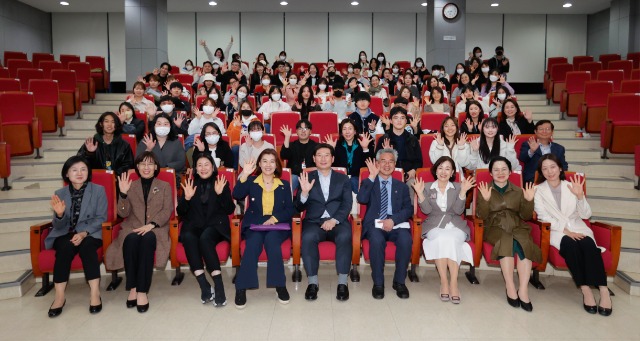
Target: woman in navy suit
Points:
(270, 205)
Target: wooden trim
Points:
(35, 241)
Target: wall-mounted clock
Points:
(450, 11)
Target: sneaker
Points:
(207, 295)
(283, 295)
(221, 299)
(241, 298)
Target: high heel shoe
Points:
(527, 306)
(131, 303)
(591, 309)
(143, 308)
(53, 312)
(514, 302)
(94, 309)
(605, 311)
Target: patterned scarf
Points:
(76, 204)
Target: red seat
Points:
(20, 125)
(630, 86)
(223, 249)
(578, 60)
(85, 82)
(14, 55)
(594, 107)
(376, 105)
(131, 140)
(635, 74)
(42, 260)
(551, 61)
(9, 84)
(69, 91)
(5, 160)
(520, 139)
(184, 78)
(606, 58)
(573, 94)
(175, 70)
(48, 104)
(281, 119)
(99, 72)
(298, 65)
(144, 118)
(324, 123)
(14, 64)
(592, 67)
(36, 58)
(557, 80)
(49, 65)
(620, 132)
(24, 75)
(625, 65)
(432, 120)
(4, 73)
(616, 76)
(635, 58)
(404, 64)
(340, 66)
(425, 144)
(65, 59)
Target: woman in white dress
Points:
(445, 231)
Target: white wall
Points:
(181, 38)
(80, 33)
(23, 28)
(262, 32)
(394, 34)
(117, 53)
(524, 45)
(484, 31)
(566, 35)
(306, 36)
(217, 29)
(349, 33)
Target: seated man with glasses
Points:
(299, 153)
(537, 146)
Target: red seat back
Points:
(184, 78)
(630, 86)
(131, 140)
(48, 65)
(280, 119)
(45, 92)
(24, 75)
(83, 71)
(4, 72)
(575, 81)
(559, 72)
(96, 62)
(635, 58)
(597, 92)
(635, 74)
(624, 107)
(404, 64)
(175, 70)
(17, 108)
(66, 79)
(606, 58)
(341, 66)
(14, 55)
(425, 143)
(483, 175)
(36, 58)
(376, 105)
(14, 64)
(144, 118)
(65, 59)
(324, 122)
(9, 84)
(577, 60)
(432, 120)
(551, 61)
(616, 76)
(107, 179)
(298, 65)
(625, 65)
(592, 67)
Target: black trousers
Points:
(313, 234)
(584, 261)
(66, 251)
(199, 244)
(138, 253)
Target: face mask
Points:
(350, 70)
(499, 53)
(436, 73)
(212, 139)
(337, 93)
(266, 82)
(128, 114)
(242, 94)
(369, 73)
(485, 69)
(322, 86)
(419, 64)
(213, 96)
(189, 67)
(442, 74)
(216, 66)
(255, 135)
(330, 65)
(283, 57)
(208, 109)
(380, 59)
(167, 108)
(246, 113)
(275, 97)
(162, 131)
(478, 54)
(331, 74)
(293, 81)
(395, 71)
(427, 93)
(502, 96)
(493, 78)
(459, 71)
(363, 57)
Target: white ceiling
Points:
(411, 6)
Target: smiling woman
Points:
(106, 149)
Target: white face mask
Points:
(162, 131)
(502, 96)
(419, 64)
(242, 94)
(485, 69)
(293, 81)
(322, 86)
(213, 96)
(395, 71)
(266, 82)
(188, 67)
(427, 93)
(167, 108)
(275, 97)
(493, 78)
(369, 73)
(216, 66)
(128, 114)
(330, 66)
(283, 57)
(212, 139)
(478, 54)
(208, 109)
(436, 73)
(459, 71)
(255, 135)
(350, 70)
(380, 59)
(363, 57)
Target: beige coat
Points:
(159, 208)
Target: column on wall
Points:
(445, 38)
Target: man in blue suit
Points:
(388, 211)
(326, 197)
(532, 151)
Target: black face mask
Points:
(499, 53)
(331, 74)
(246, 113)
(337, 93)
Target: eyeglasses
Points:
(146, 165)
(302, 128)
(387, 162)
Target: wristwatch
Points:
(155, 225)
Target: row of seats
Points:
(603, 59)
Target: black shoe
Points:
(207, 295)
(57, 311)
(143, 308)
(220, 299)
(241, 298)
(401, 290)
(377, 292)
(527, 306)
(131, 303)
(312, 292)
(591, 309)
(283, 295)
(94, 309)
(602, 311)
(514, 302)
(343, 292)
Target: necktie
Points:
(384, 200)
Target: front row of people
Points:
(324, 199)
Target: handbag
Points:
(274, 227)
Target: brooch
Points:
(434, 196)
(155, 190)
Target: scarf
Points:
(76, 204)
(374, 89)
(349, 152)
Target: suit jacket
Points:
(525, 127)
(437, 218)
(93, 213)
(370, 195)
(531, 163)
(214, 213)
(338, 204)
(282, 203)
(158, 209)
(569, 215)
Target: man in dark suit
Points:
(326, 197)
(532, 151)
(388, 210)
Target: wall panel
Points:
(348, 34)
(566, 35)
(524, 45)
(217, 29)
(394, 34)
(306, 36)
(484, 31)
(261, 32)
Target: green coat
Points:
(504, 217)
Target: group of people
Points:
(319, 192)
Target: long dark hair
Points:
(207, 156)
(480, 115)
(485, 154)
(172, 130)
(311, 100)
(456, 136)
(515, 103)
(116, 119)
(553, 158)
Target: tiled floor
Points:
(176, 313)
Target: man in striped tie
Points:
(389, 209)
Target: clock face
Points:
(450, 11)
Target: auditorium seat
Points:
(69, 91)
(592, 67)
(5, 160)
(594, 107)
(551, 61)
(184, 78)
(175, 70)
(556, 82)
(24, 75)
(324, 123)
(144, 118)
(20, 125)
(281, 119)
(298, 65)
(573, 94)
(616, 76)
(131, 140)
(36, 58)
(404, 64)
(432, 121)
(578, 60)
(625, 65)
(4, 73)
(635, 58)
(606, 58)
(8, 55)
(620, 132)
(49, 65)
(635, 74)
(99, 72)
(9, 84)
(425, 144)
(84, 80)
(65, 59)
(48, 105)
(630, 86)
(376, 105)
(14, 64)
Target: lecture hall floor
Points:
(176, 313)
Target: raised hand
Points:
(467, 184)
(386, 144)
(373, 169)
(305, 185)
(124, 183)
(149, 142)
(57, 205)
(179, 119)
(365, 140)
(188, 189)
(330, 140)
(475, 79)
(248, 168)
(236, 121)
(475, 144)
(221, 181)
(203, 42)
(198, 144)
(533, 144)
(485, 190)
(418, 187)
(372, 125)
(286, 131)
(501, 79)
(196, 111)
(528, 115)
(439, 139)
(505, 61)
(386, 122)
(427, 101)
(577, 187)
(90, 145)
(512, 140)
(156, 71)
(462, 140)
(529, 191)
(414, 121)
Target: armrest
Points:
(174, 233)
(36, 132)
(5, 160)
(296, 239)
(606, 134)
(564, 100)
(35, 243)
(59, 114)
(92, 88)
(77, 99)
(416, 237)
(545, 235)
(235, 242)
(356, 238)
(478, 232)
(105, 75)
(615, 241)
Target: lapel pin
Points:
(155, 190)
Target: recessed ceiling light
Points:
(355, 3)
(567, 5)
(424, 4)
(284, 3)
(495, 5)
(212, 3)
(64, 3)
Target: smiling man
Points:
(538, 146)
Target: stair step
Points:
(12, 241)
(15, 284)
(110, 96)
(23, 205)
(616, 182)
(629, 260)
(98, 109)
(592, 168)
(19, 260)
(84, 124)
(615, 205)
(22, 221)
(111, 102)
(629, 282)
